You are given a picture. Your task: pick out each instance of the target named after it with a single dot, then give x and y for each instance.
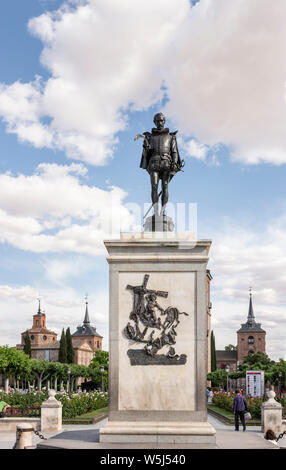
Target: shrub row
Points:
(81, 403)
(73, 405)
(225, 401)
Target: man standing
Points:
(239, 408)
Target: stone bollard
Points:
(24, 434)
(51, 414)
(271, 415)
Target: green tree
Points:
(100, 359)
(70, 349)
(257, 361)
(213, 353)
(63, 348)
(56, 371)
(41, 370)
(27, 344)
(230, 347)
(77, 371)
(13, 363)
(218, 377)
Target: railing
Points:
(27, 412)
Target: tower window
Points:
(32, 337)
(44, 338)
(250, 340)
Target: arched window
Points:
(250, 340)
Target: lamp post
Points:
(68, 384)
(227, 372)
(279, 383)
(102, 379)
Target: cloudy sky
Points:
(78, 80)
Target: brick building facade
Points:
(45, 345)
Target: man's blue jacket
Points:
(239, 403)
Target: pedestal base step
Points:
(158, 432)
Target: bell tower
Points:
(250, 337)
(39, 320)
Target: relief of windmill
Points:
(154, 326)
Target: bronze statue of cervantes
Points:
(161, 159)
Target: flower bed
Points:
(81, 403)
(73, 405)
(26, 400)
(225, 401)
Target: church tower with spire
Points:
(88, 333)
(250, 337)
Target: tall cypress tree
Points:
(213, 353)
(70, 350)
(27, 344)
(63, 348)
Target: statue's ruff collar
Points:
(157, 131)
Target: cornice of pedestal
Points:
(158, 247)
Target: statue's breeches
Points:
(159, 163)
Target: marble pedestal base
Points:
(158, 396)
(158, 432)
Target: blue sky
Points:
(101, 82)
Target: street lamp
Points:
(227, 372)
(102, 379)
(69, 374)
(279, 382)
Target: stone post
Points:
(271, 415)
(51, 414)
(26, 431)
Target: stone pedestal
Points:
(24, 434)
(159, 223)
(159, 395)
(51, 414)
(271, 415)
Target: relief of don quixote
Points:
(153, 326)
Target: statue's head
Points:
(159, 120)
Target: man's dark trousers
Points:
(239, 414)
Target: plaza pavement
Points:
(86, 437)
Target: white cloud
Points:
(240, 258)
(19, 294)
(53, 211)
(104, 57)
(195, 149)
(63, 307)
(220, 61)
(227, 83)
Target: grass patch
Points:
(228, 414)
(94, 413)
